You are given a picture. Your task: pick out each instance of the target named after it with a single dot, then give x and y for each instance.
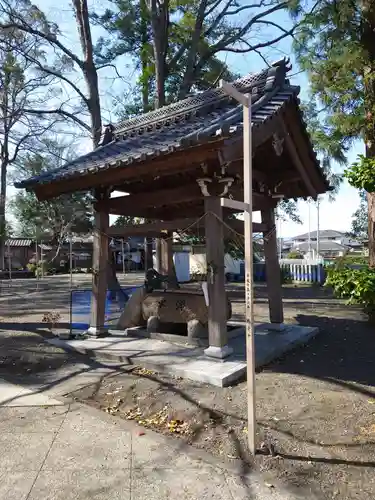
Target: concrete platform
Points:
(187, 361)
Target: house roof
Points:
(18, 242)
(205, 117)
(325, 233)
(324, 246)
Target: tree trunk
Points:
(188, 78)
(144, 57)
(89, 69)
(3, 192)
(160, 24)
(368, 43)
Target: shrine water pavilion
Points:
(173, 166)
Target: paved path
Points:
(54, 449)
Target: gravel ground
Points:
(315, 407)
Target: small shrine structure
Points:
(176, 163)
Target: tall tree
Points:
(51, 220)
(22, 88)
(336, 47)
(82, 106)
(177, 45)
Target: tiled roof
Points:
(323, 233)
(324, 246)
(201, 118)
(18, 242)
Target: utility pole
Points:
(318, 229)
(247, 206)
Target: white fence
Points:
(305, 271)
(298, 270)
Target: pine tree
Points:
(336, 47)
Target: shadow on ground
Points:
(341, 356)
(342, 353)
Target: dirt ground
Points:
(315, 407)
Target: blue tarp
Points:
(80, 305)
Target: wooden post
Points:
(158, 255)
(99, 276)
(274, 285)
(149, 264)
(167, 264)
(245, 100)
(217, 308)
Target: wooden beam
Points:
(237, 205)
(130, 203)
(150, 228)
(136, 205)
(165, 164)
(157, 229)
(233, 148)
(307, 155)
(298, 163)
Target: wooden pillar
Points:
(149, 264)
(99, 275)
(167, 264)
(217, 308)
(158, 255)
(274, 285)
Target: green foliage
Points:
(289, 210)
(53, 219)
(31, 267)
(350, 259)
(355, 285)
(39, 269)
(124, 220)
(361, 174)
(197, 35)
(359, 227)
(294, 254)
(328, 48)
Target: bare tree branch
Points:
(51, 38)
(59, 111)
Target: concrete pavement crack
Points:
(48, 452)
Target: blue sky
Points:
(333, 214)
